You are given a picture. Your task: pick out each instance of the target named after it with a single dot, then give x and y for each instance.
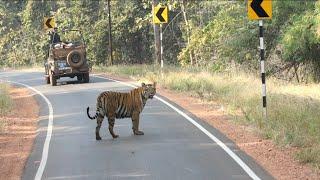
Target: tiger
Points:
(117, 105)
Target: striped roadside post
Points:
(263, 74)
(260, 10)
(161, 47)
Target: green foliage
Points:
(300, 41)
(300, 48)
(101, 43)
(133, 37)
(228, 36)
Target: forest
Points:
(208, 34)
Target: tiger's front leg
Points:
(111, 121)
(135, 124)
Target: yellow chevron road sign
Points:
(160, 14)
(49, 23)
(259, 9)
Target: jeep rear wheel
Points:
(86, 78)
(47, 79)
(53, 80)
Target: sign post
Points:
(160, 16)
(161, 46)
(260, 10)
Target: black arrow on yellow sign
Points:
(256, 6)
(48, 23)
(159, 14)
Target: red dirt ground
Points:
(17, 137)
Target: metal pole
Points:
(156, 36)
(161, 46)
(110, 34)
(263, 74)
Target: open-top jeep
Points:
(67, 58)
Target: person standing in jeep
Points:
(54, 36)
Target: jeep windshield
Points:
(72, 36)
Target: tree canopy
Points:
(211, 34)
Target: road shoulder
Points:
(18, 135)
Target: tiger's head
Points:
(149, 90)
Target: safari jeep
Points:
(67, 58)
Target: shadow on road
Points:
(66, 81)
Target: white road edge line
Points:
(235, 157)
(45, 150)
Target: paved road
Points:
(172, 148)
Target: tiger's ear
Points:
(143, 84)
(154, 84)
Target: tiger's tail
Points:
(92, 118)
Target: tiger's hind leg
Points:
(99, 123)
(135, 124)
(111, 121)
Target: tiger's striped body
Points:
(122, 105)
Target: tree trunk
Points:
(296, 67)
(110, 34)
(183, 8)
(156, 30)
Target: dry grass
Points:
(293, 109)
(5, 102)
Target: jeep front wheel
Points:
(53, 80)
(86, 78)
(79, 78)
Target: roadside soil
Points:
(18, 134)
(278, 161)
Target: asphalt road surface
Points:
(172, 147)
